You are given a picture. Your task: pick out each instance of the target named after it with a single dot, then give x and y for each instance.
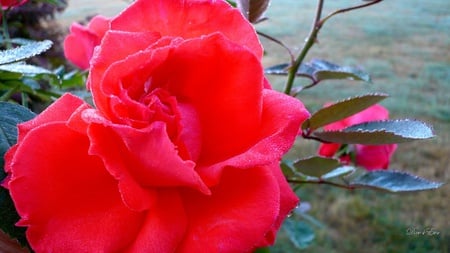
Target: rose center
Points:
(161, 106)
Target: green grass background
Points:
(405, 46)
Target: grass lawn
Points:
(405, 46)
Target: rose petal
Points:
(288, 201)
(189, 20)
(79, 45)
(373, 113)
(204, 82)
(11, 3)
(99, 25)
(374, 157)
(240, 211)
(60, 111)
(125, 81)
(210, 78)
(144, 157)
(328, 149)
(277, 134)
(116, 46)
(59, 191)
(164, 226)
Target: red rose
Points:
(181, 153)
(11, 3)
(80, 43)
(370, 157)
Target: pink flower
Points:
(80, 43)
(371, 157)
(181, 152)
(11, 3)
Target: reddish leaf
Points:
(253, 10)
(9, 245)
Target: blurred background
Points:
(405, 46)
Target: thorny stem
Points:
(297, 90)
(312, 38)
(310, 137)
(306, 134)
(347, 187)
(349, 9)
(279, 42)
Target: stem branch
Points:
(7, 95)
(279, 42)
(349, 9)
(6, 36)
(310, 40)
(347, 187)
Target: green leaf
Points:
(341, 110)
(299, 232)
(253, 10)
(74, 79)
(319, 70)
(338, 172)
(24, 52)
(326, 70)
(290, 172)
(280, 69)
(232, 3)
(305, 70)
(17, 41)
(394, 181)
(379, 132)
(316, 166)
(24, 69)
(287, 170)
(6, 76)
(10, 115)
(262, 250)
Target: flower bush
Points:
(180, 144)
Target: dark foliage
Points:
(35, 20)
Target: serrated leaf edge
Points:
(41, 46)
(382, 130)
(349, 129)
(380, 95)
(375, 94)
(436, 184)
